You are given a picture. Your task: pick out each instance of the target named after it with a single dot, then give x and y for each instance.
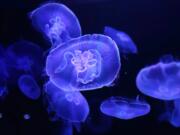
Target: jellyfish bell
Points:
(56, 21)
(124, 108)
(70, 106)
(29, 87)
(85, 63)
(24, 57)
(160, 81)
(125, 43)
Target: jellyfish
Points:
(29, 87)
(85, 63)
(125, 43)
(70, 106)
(124, 108)
(24, 57)
(27, 116)
(161, 80)
(56, 22)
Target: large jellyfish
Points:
(56, 21)
(29, 87)
(71, 106)
(123, 40)
(24, 57)
(161, 81)
(124, 108)
(85, 63)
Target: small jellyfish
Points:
(27, 116)
(70, 106)
(123, 40)
(124, 108)
(85, 63)
(1, 115)
(161, 81)
(57, 22)
(24, 57)
(29, 87)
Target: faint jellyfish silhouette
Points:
(24, 57)
(70, 106)
(3, 89)
(27, 116)
(1, 115)
(57, 22)
(172, 113)
(124, 108)
(85, 63)
(99, 124)
(161, 81)
(66, 129)
(123, 40)
(29, 87)
(3, 74)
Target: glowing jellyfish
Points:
(85, 63)
(56, 21)
(71, 106)
(161, 81)
(123, 40)
(24, 57)
(124, 108)
(27, 116)
(29, 87)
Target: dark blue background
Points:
(154, 27)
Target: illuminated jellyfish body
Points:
(29, 87)
(71, 106)
(24, 57)
(161, 81)
(123, 40)
(56, 21)
(85, 63)
(124, 108)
